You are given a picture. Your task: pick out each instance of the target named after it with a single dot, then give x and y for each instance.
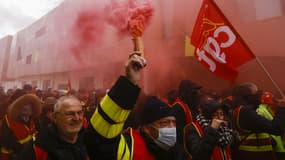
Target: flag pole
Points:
(257, 59)
(269, 76)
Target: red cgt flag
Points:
(217, 45)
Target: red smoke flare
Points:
(130, 17)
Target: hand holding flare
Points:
(134, 66)
(137, 22)
(136, 61)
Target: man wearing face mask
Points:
(159, 129)
(254, 129)
(19, 126)
(105, 138)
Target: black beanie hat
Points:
(155, 109)
(209, 107)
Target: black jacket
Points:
(250, 120)
(201, 148)
(56, 148)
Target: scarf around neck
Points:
(225, 133)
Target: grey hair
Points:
(60, 101)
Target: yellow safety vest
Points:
(253, 142)
(264, 111)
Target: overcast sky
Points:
(17, 14)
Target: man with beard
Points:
(63, 139)
(254, 129)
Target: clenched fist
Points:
(134, 66)
(217, 122)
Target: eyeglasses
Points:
(72, 113)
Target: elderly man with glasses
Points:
(63, 139)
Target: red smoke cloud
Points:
(88, 31)
(130, 17)
(127, 17)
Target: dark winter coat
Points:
(56, 148)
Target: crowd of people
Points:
(188, 124)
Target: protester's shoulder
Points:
(191, 129)
(47, 134)
(176, 104)
(133, 133)
(177, 107)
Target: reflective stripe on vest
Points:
(259, 142)
(115, 113)
(20, 130)
(132, 143)
(254, 142)
(123, 149)
(264, 110)
(236, 113)
(104, 128)
(23, 129)
(27, 139)
(185, 137)
(22, 141)
(6, 151)
(187, 111)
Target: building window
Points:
(19, 54)
(46, 84)
(40, 32)
(29, 59)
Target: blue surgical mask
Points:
(166, 137)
